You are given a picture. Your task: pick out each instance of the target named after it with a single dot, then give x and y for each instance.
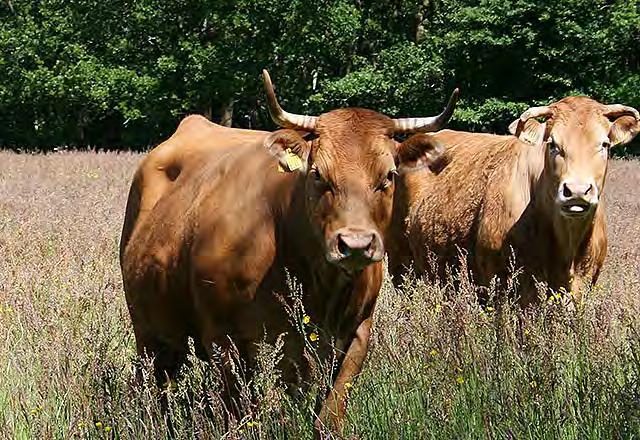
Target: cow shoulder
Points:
(234, 221)
(466, 187)
(507, 195)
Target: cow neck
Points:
(412, 187)
(308, 247)
(564, 236)
(327, 291)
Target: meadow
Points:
(441, 365)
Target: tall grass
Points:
(441, 366)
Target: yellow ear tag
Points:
(293, 160)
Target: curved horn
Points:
(281, 117)
(533, 112)
(432, 123)
(617, 110)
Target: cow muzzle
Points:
(353, 249)
(577, 199)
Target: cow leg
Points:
(331, 418)
(167, 358)
(226, 354)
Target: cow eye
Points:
(604, 148)
(321, 183)
(388, 181)
(554, 149)
(317, 177)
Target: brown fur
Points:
(211, 226)
(496, 199)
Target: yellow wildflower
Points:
(434, 352)
(306, 319)
(170, 385)
(490, 309)
(348, 385)
(107, 428)
(460, 380)
(98, 424)
(313, 337)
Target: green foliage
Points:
(123, 73)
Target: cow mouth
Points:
(352, 267)
(575, 208)
(351, 261)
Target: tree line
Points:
(122, 73)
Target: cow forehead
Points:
(353, 122)
(351, 157)
(354, 138)
(579, 122)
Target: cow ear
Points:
(532, 133)
(290, 149)
(420, 151)
(623, 130)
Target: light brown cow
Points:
(212, 224)
(537, 197)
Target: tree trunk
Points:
(419, 19)
(208, 111)
(226, 117)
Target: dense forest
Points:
(121, 73)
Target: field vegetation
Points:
(441, 365)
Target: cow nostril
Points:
(566, 192)
(368, 246)
(588, 189)
(343, 247)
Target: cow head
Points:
(349, 170)
(577, 134)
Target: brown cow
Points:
(537, 197)
(216, 215)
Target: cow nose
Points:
(577, 198)
(356, 245)
(350, 243)
(573, 189)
